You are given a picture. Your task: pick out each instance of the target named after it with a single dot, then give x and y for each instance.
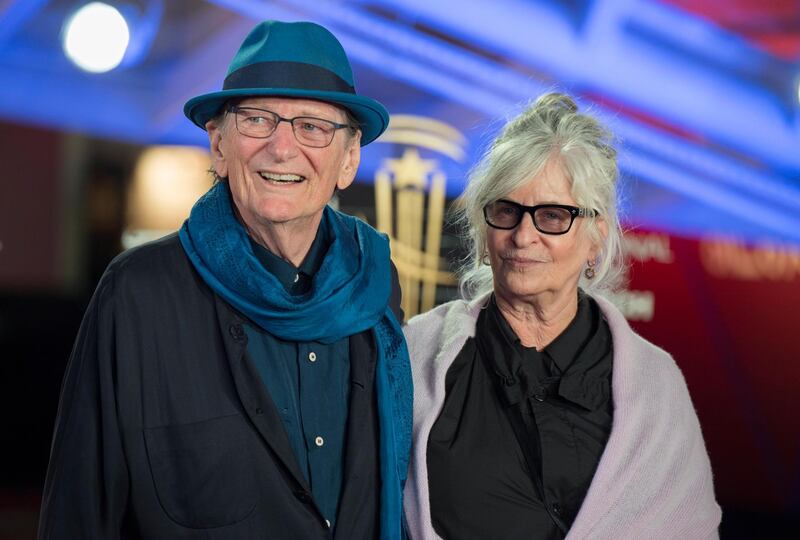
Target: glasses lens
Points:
(503, 214)
(552, 219)
(313, 131)
(255, 123)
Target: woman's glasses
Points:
(547, 218)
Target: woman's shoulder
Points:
(621, 329)
(436, 315)
(634, 352)
(432, 322)
(456, 311)
(442, 324)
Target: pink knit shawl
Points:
(654, 478)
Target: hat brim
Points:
(371, 115)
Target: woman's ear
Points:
(602, 227)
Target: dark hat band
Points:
(296, 75)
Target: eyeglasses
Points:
(547, 218)
(261, 123)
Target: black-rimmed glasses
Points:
(308, 130)
(547, 218)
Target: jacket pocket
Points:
(203, 472)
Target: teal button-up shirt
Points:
(308, 382)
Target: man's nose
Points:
(282, 143)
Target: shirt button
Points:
(312, 356)
(236, 331)
(319, 441)
(540, 394)
(328, 523)
(296, 278)
(556, 509)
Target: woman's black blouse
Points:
(515, 447)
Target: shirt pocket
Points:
(203, 471)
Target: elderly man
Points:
(247, 377)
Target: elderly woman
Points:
(538, 412)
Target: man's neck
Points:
(289, 240)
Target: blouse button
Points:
(319, 441)
(312, 356)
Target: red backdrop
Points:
(727, 312)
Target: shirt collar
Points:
(578, 352)
(567, 346)
(296, 280)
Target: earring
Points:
(589, 272)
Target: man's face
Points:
(277, 180)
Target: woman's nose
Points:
(525, 233)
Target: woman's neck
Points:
(537, 321)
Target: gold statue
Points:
(408, 178)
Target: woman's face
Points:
(532, 266)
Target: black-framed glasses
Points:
(547, 218)
(308, 130)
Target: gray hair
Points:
(550, 128)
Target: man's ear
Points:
(217, 148)
(350, 162)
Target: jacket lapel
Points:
(257, 403)
(360, 498)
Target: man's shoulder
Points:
(154, 280)
(148, 264)
(152, 254)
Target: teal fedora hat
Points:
(299, 59)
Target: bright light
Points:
(167, 181)
(95, 37)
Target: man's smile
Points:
(281, 178)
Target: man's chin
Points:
(286, 215)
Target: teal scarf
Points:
(349, 294)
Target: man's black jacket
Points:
(165, 430)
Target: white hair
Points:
(549, 129)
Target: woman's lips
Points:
(522, 261)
